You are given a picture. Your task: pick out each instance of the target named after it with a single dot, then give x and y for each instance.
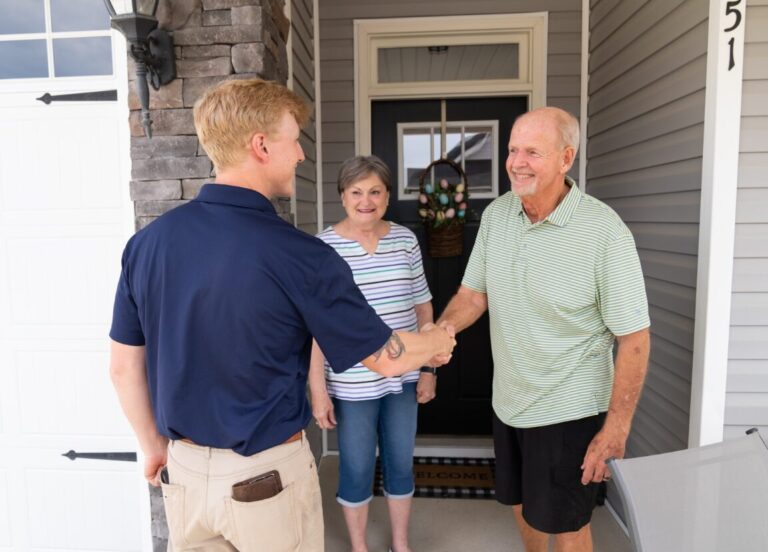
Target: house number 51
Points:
(732, 8)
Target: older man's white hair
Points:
(567, 124)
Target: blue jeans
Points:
(389, 421)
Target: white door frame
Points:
(531, 29)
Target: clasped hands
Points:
(447, 334)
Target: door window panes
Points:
(22, 16)
(449, 63)
(23, 59)
(473, 145)
(79, 15)
(77, 57)
(54, 39)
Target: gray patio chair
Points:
(707, 499)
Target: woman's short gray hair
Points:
(357, 168)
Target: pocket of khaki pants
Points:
(173, 499)
(269, 525)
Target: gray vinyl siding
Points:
(746, 402)
(303, 67)
(646, 121)
(337, 65)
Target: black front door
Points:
(463, 403)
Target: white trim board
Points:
(584, 100)
(287, 10)
(531, 29)
(720, 166)
(318, 128)
(120, 64)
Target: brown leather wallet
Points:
(256, 488)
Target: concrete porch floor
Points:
(448, 525)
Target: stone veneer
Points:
(214, 40)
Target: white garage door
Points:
(64, 217)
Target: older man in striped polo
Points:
(559, 274)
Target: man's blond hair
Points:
(229, 114)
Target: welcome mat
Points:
(439, 477)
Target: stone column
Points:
(214, 40)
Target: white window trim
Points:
(403, 195)
(371, 34)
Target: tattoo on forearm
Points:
(394, 347)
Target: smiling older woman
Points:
(370, 409)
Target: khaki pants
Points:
(202, 515)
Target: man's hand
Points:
(631, 366)
(608, 443)
(155, 459)
(440, 360)
(128, 371)
(322, 410)
(426, 388)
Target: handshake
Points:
(443, 339)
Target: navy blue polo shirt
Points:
(226, 296)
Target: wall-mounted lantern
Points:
(150, 47)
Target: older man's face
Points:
(536, 158)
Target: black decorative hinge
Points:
(100, 96)
(115, 456)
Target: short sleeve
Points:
(126, 325)
(621, 295)
(474, 275)
(419, 286)
(346, 327)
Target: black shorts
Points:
(540, 468)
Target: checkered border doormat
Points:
(431, 491)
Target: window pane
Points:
(452, 143)
(23, 59)
(417, 154)
(478, 159)
(448, 63)
(79, 15)
(22, 16)
(76, 57)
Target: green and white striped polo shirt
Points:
(558, 291)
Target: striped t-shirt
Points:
(392, 281)
(558, 292)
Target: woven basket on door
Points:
(444, 238)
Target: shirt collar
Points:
(563, 212)
(234, 195)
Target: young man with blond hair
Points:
(559, 275)
(215, 311)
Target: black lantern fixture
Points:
(150, 47)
